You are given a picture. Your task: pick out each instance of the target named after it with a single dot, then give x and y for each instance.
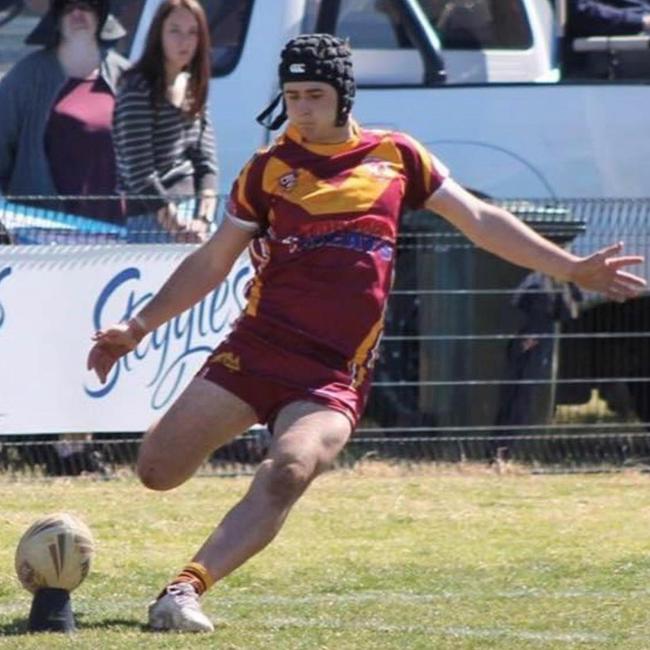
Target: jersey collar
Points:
(326, 149)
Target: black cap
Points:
(46, 32)
(316, 57)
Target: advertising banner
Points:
(52, 300)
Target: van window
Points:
(371, 25)
(381, 48)
(460, 24)
(228, 21)
(479, 24)
(483, 41)
(312, 7)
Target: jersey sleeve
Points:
(248, 205)
(423, 171)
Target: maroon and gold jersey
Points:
(326, 219)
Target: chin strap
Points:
(266, 119)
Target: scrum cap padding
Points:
(319, 57)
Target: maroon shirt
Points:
(79, 147)
(326, 219)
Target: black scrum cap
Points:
(315, 57)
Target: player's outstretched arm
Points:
(501, 233)
(198, 274)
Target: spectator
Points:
(543, 303)
(608, 17)
(163, 136)
(57, 106)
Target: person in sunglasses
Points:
(57, 112)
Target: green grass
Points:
(375, 558)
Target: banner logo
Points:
(174, 344)
(4, 273)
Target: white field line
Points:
(440, 631)
(413, 598)
(322, 623)
(227, 601)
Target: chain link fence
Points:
(480, 361)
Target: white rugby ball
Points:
(54, 552)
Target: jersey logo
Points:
(289, 180)
(378, 167)
(228, 360)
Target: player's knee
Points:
(288, 479)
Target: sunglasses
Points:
(83, 5)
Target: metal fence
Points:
(481, 360)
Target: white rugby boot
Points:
(178, 609)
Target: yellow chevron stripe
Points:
(254, 297)
(316, 196)
(241, 190)
(427, 162)
(362, 352)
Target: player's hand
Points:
(603, 272)
(111, 345)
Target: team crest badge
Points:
(379, 168)
(289, 180)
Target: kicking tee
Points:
(325, 218)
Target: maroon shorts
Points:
(268, 374)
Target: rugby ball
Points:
(54, 552)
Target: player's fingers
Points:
(616, 294)
(102, 335)
(105, 365)
(631, 279)
(101, 360)
(90, 360)
(96, 363)
(119, 338)
(623, 288)
(626, 260)
(611, 250)
(94, 357)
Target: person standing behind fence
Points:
(163, 137)
(57, 111)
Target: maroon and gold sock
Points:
(197, 575)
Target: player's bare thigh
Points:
(204, 417)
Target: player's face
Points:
(311, 108)
(180, 38)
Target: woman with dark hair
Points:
(57, 111)
(163, 136)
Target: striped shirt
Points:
(325, 218)
(159, 150)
